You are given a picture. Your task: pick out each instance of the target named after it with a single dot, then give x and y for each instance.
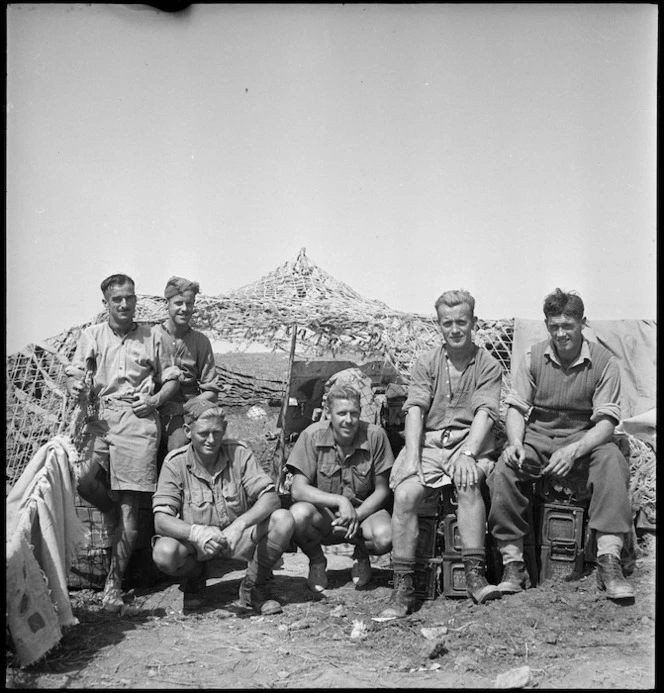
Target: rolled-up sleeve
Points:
(254, 480)
(85, 349)
(162, 362)
(206, 367)
(520, 396)
(606, 400)
(383, 459)
(170, 488)
(303, 458)
(486, 396)
(420, 389)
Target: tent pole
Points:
(284, 411)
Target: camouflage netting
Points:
(330, 318)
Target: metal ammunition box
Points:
(426, 579)
(562, 523)
(454, 577)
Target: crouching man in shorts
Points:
(340, 472)
(214, 501)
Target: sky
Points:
(411, 149)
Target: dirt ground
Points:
(566, 633)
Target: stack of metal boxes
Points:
(561, 540)
(428, 564)
(439, 566)
(454, 577)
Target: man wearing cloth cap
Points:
(189, 350)
(125, 363)
(214, 501)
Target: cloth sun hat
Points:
(193, 409)
(178, 285)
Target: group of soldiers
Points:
(160, 431)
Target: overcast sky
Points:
(505, 149)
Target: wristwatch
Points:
(468, 453)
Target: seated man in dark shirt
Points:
(340, 472)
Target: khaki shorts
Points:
(126, 447)
(244, 549)
(329, 536)
(436, 459)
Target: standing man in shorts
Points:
(340, 472)
(189, 350)
(452, 404)
(120, 459)
(214, 501)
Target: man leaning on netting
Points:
(122, 362)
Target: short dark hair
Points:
(116, 280)
(455, 297)
(562, 302)
(342, 391)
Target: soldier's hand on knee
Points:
(465, 472)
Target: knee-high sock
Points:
(403, 566)
(124, 541)
(265, 556)
(313, 550)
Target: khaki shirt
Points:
(193, 355)
(315, 455)
(124, 365)
(187, 490)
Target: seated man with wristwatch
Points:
(452, 406)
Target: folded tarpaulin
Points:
(43, 535)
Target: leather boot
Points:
(477, 586)
(515, 578)
(610, 578)
(402, 599)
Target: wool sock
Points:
(265, 556)
(609, 543)
(511, 551)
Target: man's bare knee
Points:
(382, 539)
(166, 556)
(282, 523)
(302, 513)
(407, 498)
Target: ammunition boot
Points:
(515, 578)
(317, 580)
(255, 597)
(477, 586)
(360, 571)
(402, 600)
(610, 578)
(194, 590)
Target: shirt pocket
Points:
(233, 494)
(363, 479)
(200, 505)
(329, 476)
